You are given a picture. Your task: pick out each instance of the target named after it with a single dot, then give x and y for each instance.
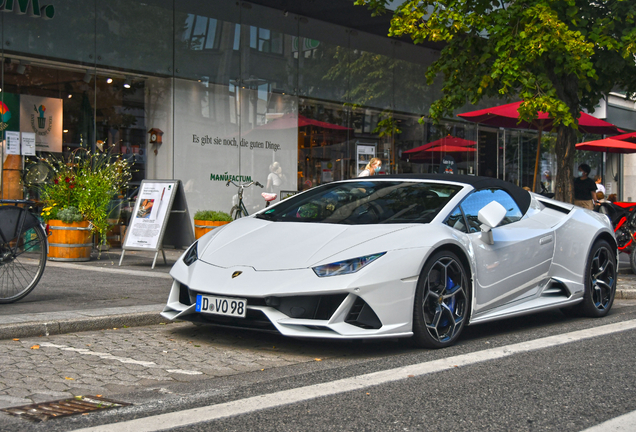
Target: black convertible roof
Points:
(521, 196)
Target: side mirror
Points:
(490, 216)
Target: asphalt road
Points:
(567, 386)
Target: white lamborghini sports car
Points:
(398, 256)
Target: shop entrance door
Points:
(488, 148)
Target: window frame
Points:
(467, 225)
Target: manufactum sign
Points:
(32, 7)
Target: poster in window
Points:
(43, 117)
(13, 142)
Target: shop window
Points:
(266, 41)
(201, 33)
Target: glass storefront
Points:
(237, 91)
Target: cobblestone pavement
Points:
(113, 361)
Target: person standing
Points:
(599, 184)
(584, 188)
(372, 168)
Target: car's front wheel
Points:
(442, 301)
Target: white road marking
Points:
(103, 355)
(108, 356)
(624, 423)
(185, 372)
(286, 397)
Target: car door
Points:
(520, 258)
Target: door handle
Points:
(545, 240)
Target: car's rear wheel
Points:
(600, 282)
(442, 301)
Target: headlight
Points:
(345, 267)
(192, 254)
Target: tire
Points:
(236, 212)
(442, 301)
(22, 263)
(600, 282)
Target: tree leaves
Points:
(558, 56)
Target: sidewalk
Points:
(98, 294)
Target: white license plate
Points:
(221, 305)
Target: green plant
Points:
(69, 215)
(86, 181)
(210, 215)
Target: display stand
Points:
(160, 218)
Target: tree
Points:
(558, 56)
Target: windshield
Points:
(365, 202)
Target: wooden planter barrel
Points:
(202, 227)
(70, 242)
(12, 177)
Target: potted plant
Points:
(206, 220)
(83, 186)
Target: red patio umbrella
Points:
(508, 116)
(630, 137)
(450, 149)
(428, 154)
(609, 145)
(289, 121)
(447, 140)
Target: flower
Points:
(87, 182)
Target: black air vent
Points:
(361, 315)
(556, 289)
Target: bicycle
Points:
(239, 209)
(23, 249)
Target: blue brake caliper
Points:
(451, 303)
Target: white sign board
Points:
(42, 116)
(365, 152)
(13, 142)
(160, 218)
(151, 210)
(28, 144)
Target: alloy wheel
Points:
(602, 278)
(444, 304)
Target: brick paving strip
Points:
(115, 361)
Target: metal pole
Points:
(477, 152)
(497, 155)
(536, 162)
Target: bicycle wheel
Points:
(236, 212)
(22, 262)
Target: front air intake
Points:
(361, 315)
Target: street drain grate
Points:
(65, 407)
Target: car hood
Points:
(266, 245)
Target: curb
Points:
(56, 327)
(629, 294)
